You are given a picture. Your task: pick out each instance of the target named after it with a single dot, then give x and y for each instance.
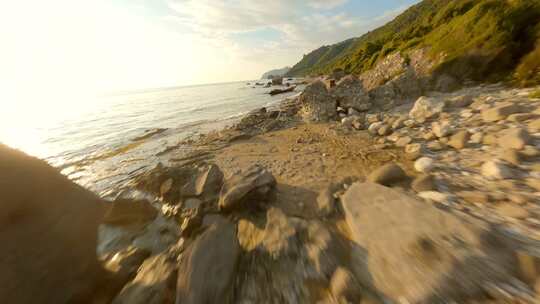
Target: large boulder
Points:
(398, 252)
(349, 93)
(48, 234)
(317, 104)
(252, 184)
(426, 107)
(208, 267)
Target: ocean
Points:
(112, 121)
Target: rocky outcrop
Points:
(317, 104)
(48, 232)
(349, 93)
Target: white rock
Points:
(424, 164)
(435, 196)
(496, 170)
(426, 107)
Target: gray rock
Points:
(426, 107)
(349, 93)
(401, 255)
(253, 184)
(317, 104)
(387, 175)
(208, 267)
(154, 283)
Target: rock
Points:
(425, 182)
(252, 184)
(426, 107)
(123, 267)
(125, 211)
(409, 123)
(166, 187)
(208, 267)
(206, 181)
(373, 118)
(317, 104)
(280, 234)
(459, 140)
(534, 183)
(349, 93)
(435, 146)
(511, 156)
(435, 196)
(158, 235)
(353, 112)
(358, 124)
(515, 138)
(374, 128)
(154, 283)
(477, 138)
(474, 197)
(398, 124)
(400, 254)
(384, 130)
(387, 175)
(413, 151)
(344, 286)
(48, 233)
(511, 210)
(500, 111)
(441, 129)
(534, 125)
(520, 117)
(529, 152)
(446, 83)
(459, 101)
(424, 165)
(404, 141)
(325, 202)
(494, 170)
(529, 267)
(352, 122)
(489, 139)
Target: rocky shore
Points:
(337, 196)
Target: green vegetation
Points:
(480, 39)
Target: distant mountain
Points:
(500, 35)
(276, 72)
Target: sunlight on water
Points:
(69, 127)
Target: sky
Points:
(66, 47)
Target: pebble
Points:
(424, 164)
(495, 170)
(435, 196)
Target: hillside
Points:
(472, 34)
(276, 72)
